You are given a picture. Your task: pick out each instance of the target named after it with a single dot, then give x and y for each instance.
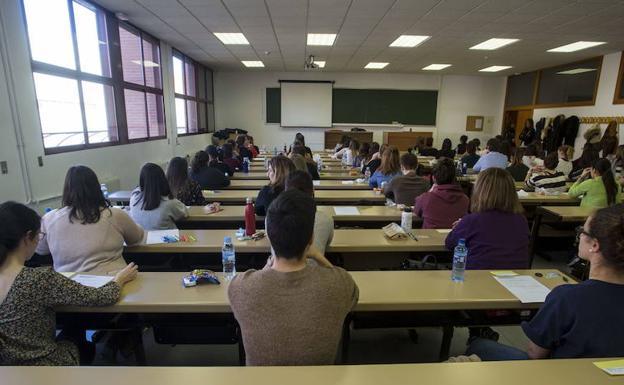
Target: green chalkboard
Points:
(372, 106)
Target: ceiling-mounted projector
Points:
(309, 64)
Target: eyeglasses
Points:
(587, 234)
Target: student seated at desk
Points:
(347, 154)
(300, 140)
(447, 149)
(461, 147)
(86, 234)
(229, 158)
(374, 161)
(252, 147)
(209, 178)
(311, 166)
(446, 202)
(492, 158)
(517, 168)
(496, 231)
(183, 188)
(549, 180)
(404, 189)
(470, 158)
(428, 149)
(583, 320)
(587, 159)
(279, 168)
(213, 161)
(565, 153)
(344, 143)
(242, 143)
(152, 205)
(531, 158)
(292, 312)
(323, 223)
(28, 297)
(597, 186)
(388, 168)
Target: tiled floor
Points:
(366, 347)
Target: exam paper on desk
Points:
(526, 288)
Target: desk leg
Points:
(447, 337)
(241, 346)
(346, 338)
(139, 349)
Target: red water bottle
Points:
(250, 218)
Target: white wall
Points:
(604, 102)
(117, 162)
(239, 103)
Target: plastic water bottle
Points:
(406, 219)
(459, 261)
(245, 165)
(464, 168)
(104, 189)
(459, 169)
(228, 258)
(367, 174)
(319, 165)
(274, 151)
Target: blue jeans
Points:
(489, 350)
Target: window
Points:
(520, 89)
(619, 88)
(140, 61)
(570, 84)
(83, 97)
(193, 96)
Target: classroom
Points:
(311, 191)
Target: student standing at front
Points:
(291, 312)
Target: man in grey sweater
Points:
(292, 312)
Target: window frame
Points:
(617, 99)
(537, 84)
(115, 80)
(196, 99)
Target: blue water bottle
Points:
(228, 258)
(459, 261)
(104, 189)
(245, 165)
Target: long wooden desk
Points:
(318, 185)
(533, 198)
(263, 176)
(568, 213)
(551, 372)
(163, 292)
(344, 241)
(342, 197)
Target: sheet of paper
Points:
(156, 236)
(522, 193)
(346, 210)
(526, 288)
(504, 273)
(316, 182)
(444, 231)
(92, 280)
(348, 182)
(67, 274)
(614, 368)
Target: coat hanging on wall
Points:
(571, 127)
(558, 133)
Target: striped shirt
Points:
(549, 181)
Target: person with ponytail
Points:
(581, 320)
(28, 297)
(86, 234)
(597, 186)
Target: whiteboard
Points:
(306, 104)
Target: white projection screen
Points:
(306, 104)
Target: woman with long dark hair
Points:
(588, 157)
(86, 234)
(229, 158)
(279, 168)
(388, 169)
(597, 186)
(447, 149)
(243, 148)
(28, 297)
(209, 178)
(152, 205)
(183, 188)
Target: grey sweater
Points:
(161, 218)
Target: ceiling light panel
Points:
(436, 67)
(494, 68)
(253, 63)
(232, 38)
(494, 43)
(579, 45)
(576, 71)
(409, 41)
(320, 64)
(321, 38)
(376, 65)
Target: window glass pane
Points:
(151, 61)
(92, 40)
(59, 110)
(135, 114)
(49, 32)
(99, 106)
(211, 119)
(180, 116)
(569, 83)
(131, 56)
(155, 114)
(201, 82)
(520, 89)
(189, 71)
(202, 117)
(209, 85)
(191, 110)
(178, 75)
